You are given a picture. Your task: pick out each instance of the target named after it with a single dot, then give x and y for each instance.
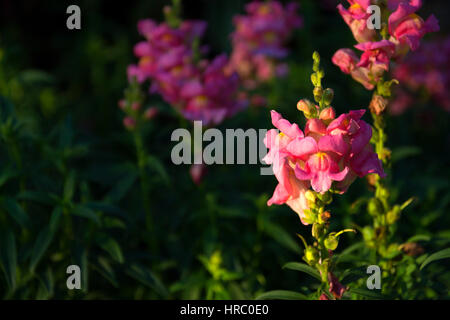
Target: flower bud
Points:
(317, 92)
(378, 104)
(331, 242)
(308, 216)
(326, 197)
(135, 106)
(324, 217)
(311, 255)
(393, 215)
(317, 230)
(327, 114)
(328, 96)
(129, 123)
(310, 196)
(308, 108)
(375, 207)
(122, 104)
(150, 113)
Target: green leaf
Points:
(16, 212)
(156, 164)
(122, 187)
(419, 237)
(147, 278)
(105, 269)
(40, 197)
(41, 245)
(405, 152)
(281, 295)
(8, 258)
(69, 186)
(281, 236)
(55, 218)
(85, 212)
(297, 266)
(354, 274)
(371, 294)
(110, 246)
(6, 175)
(443, 254)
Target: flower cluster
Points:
(330, 152)
(171, 58)
(259, 39)
(403, 31)
(428, 68)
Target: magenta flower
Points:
(376, 56)
(356, 18)
(347, 61)
(407, 28)
(259, 39)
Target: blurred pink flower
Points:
(347, 60)
(356, 18)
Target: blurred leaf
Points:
(69, 186)
(7, 174)
(404, 152)
(281, 295)
(281, 236)
(372, 294)
(40, 197)
(122, 187)
(85, 212)
(156, 164)
(41, 245)
(16, 212)
(55, 218)
(105, 269)
(419, 237)
(147, 278)
(297, 266)
(8, 258)
(110, 246)
(443, 254)
(33, 77)
(354, 274)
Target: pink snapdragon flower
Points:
(376, 56)
(259, 41)
(347, 61)
(356, 18)
(198, 88)
(331, 151)
(407, 28)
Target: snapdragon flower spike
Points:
(331, 153)
(198, 88)
(259, 39)
(405, 29)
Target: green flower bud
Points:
(326, 197)
(311, 255)
(375, 207)
(317, 230)
(317, 92)
(394, 214)
(331, 242)
(328, 96)
(309, 216)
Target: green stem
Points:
(145, 187)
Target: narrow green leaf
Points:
(297, 266)
(85, 212)
(16, 212)
(281, 295)
(41, 245)
(156, 164)
(443, 254)
(39, 197)
(281, 236)
(69, 186)
(55, 218)
(110, 246)
(371, 294)
(122, 187)
(354, 274)
(8, 258)
(147, 278)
